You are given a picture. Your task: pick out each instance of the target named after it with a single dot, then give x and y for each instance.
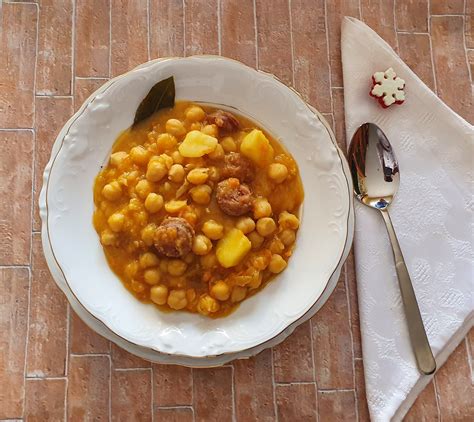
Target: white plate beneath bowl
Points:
(66, 209)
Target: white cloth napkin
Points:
(433, 218)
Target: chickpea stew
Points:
(197, 209)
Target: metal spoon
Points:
(376, 178)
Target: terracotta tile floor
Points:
(52, 55)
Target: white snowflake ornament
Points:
(388, 88)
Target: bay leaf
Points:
(160, 96)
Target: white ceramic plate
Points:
(209, 361)
(67, 207)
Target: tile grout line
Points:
(148, 31)
(73, 53)
(469, 358)
(184, 28)
(438, 408)
(110, 388)
(232, 372)
(92, 78)
(292, 47)
(274, 385)
(30, 272)
(53, 96)
(433, 71)
(219, 28)
(395, 26)
(110, 38)
(314, 367)
(26, 340)
(68, 333)
(464, 41)
(132, 369)
(152, 388)
(329, 60)
(351, 335)
(257, 64)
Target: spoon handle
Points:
(416, 329)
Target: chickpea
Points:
(108, 238)
(165, 141)
(176, 173)
(166, 159)
(208, 261)
(255, 239)
(201, 245)
(175, 127)
(238, 294)
(207, 305)
(116, 222)
(277, 264)
(156, 170)
(245, 225)
(131, 177)
(198, 176)
(159, 294)
(152, 276)
(287, 220)
(131, 269)
(148, 259)
(213, 230)
(137, 286)
(135, 204)
(195, 114)
(214, 174)
(117, 158)
(261, 208)
(261, 262)
(174, 206)
(189, 258)
(220, 291)
(195, 126)
(177, 267)
(266, 226)
(139, 155)
(201, 194)
(256, 280)
(148, 234)
(190, 217)
(177, 299)
(229, 144)
(112, 191)
(153, 202)
(276, 246)
(164, 265)
(210, 130)
(277, 172)
(190, 295)
(177, 157)
(218, 153)
(288, 237)
(143, 188)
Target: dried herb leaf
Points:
(160, 96)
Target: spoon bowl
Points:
(376, 178)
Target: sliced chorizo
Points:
(238, 166)
(174, 237)
(233, 197)
(223, 120)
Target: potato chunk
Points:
(232, 248)
(197, 144)
(257, 147)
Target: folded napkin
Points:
(433, 218)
